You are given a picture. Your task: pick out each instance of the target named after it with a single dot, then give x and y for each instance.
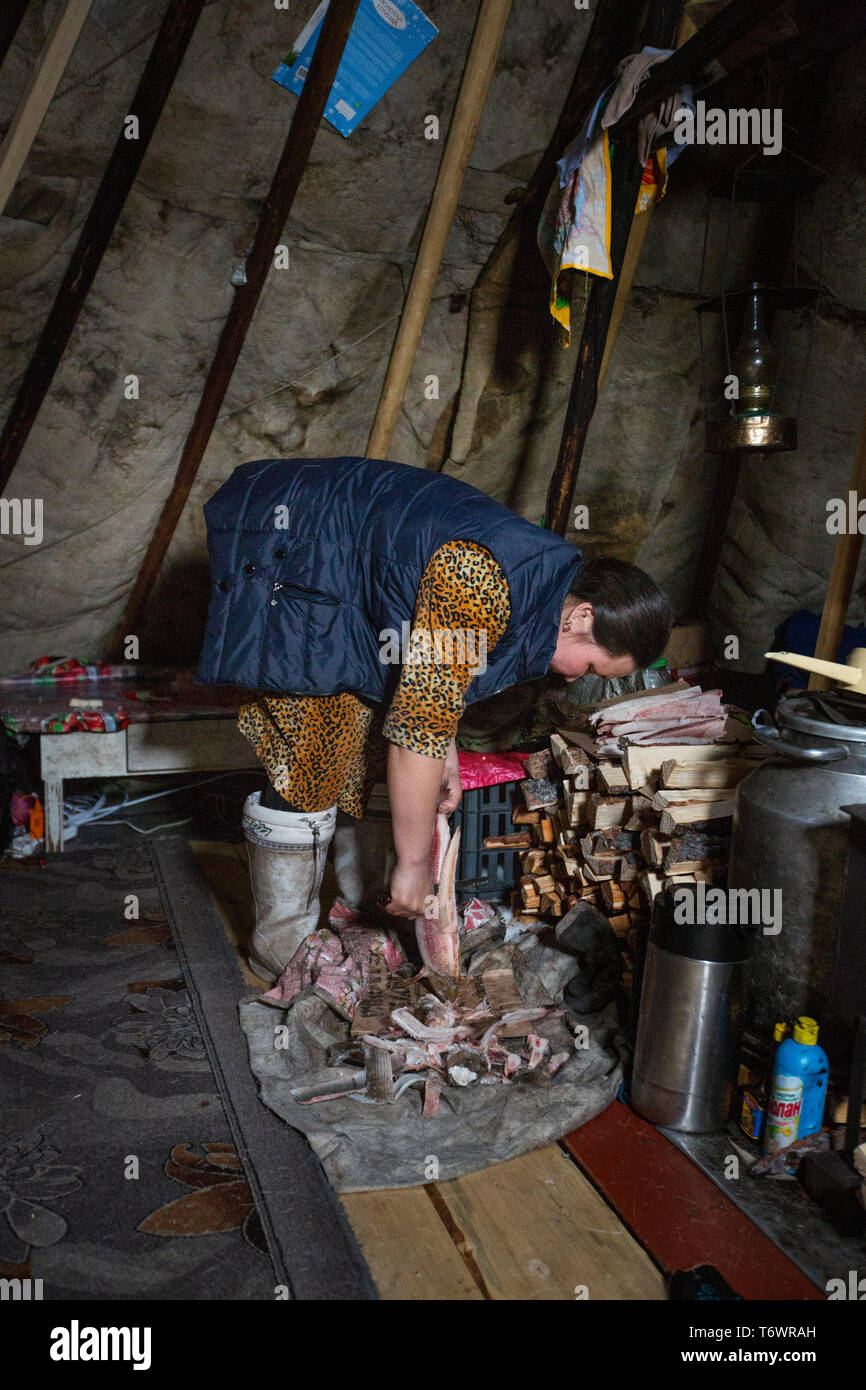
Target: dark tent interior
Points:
(433, 662)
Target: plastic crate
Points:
(482, 812)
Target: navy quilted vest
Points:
(313, 559)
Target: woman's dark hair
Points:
(632, 615)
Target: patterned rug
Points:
(121, 1171)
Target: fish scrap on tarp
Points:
(484, 1092)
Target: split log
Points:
(620, 895)
(685, 797)
(651, 885)
(539, 792)
(643, 763)
(522, 840)
(727, 772)
(609, 810)
(520, 816)
(621, 923)
(695, 850)
(578, 807)
(630, 865)
(612, 778)
(698, 876)
(599, 869)
(643, 816)
(551, 904)
(700, 813)
(601, 841)
(540, 764)
(653, 848)
(570, 757)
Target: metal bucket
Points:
(690, 1019)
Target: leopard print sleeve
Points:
(461, 612)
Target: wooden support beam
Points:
(841, 26)
(738, 18)
(842, 575)
(477, 75)
(13, 13)
(625, 183)
(156, 81)
(614, 32)
(512, 290)
(636, 238)
(281, 195)
(634, 246)
(44, 80)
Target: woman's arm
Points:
(415, 792)
(463, 593)
(418, 789)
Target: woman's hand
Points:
(411, 890)
(451, 791)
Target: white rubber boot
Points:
(287, 852)
(364, 855)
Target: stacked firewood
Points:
(617, 831)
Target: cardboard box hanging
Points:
(386, 37)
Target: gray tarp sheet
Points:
(362, 1145)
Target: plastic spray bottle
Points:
(755, 1098)
(800, 1073)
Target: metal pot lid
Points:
(833, 714)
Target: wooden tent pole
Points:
(636, 238)
(842, 575)
(156, 81)
(477, 74)
(731, 23)
(13, 13)
(335, 31)
(43, 83)
(626, 176)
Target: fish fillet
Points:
(437, 930)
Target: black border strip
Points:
(312, 1246)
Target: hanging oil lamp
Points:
(752, 396)
(755, 361)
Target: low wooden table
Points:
(185, 745)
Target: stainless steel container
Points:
(689, 1022)
(790, 834)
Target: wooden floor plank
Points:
(539, 1230)
(407, 1248)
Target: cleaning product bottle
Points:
(800, 1072)
(755, 1098)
